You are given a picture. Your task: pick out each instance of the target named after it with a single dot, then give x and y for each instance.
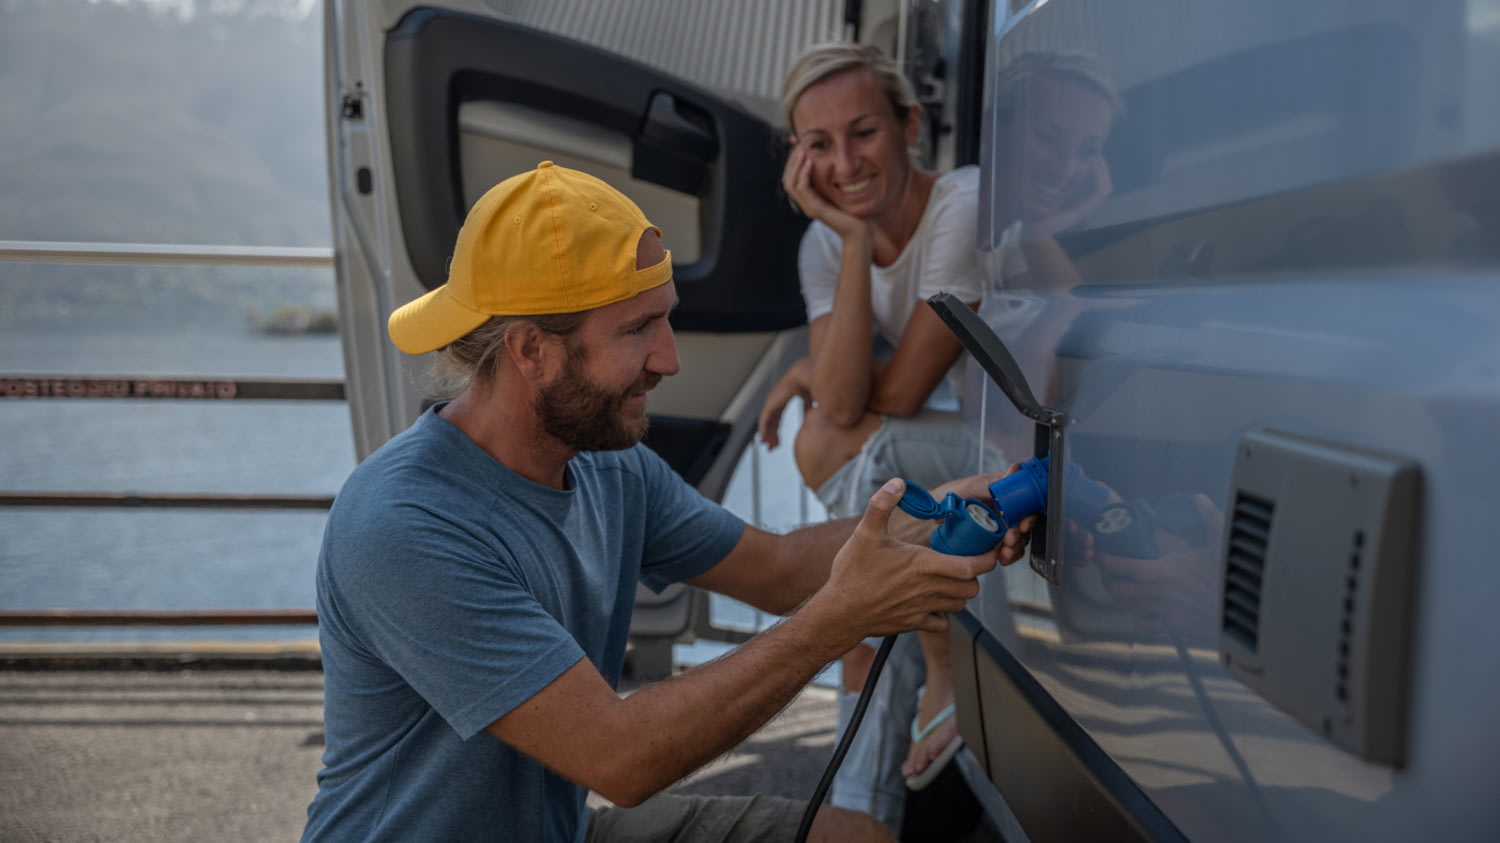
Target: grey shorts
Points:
(928, 449)
(690, 819)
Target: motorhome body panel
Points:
(1299, 236)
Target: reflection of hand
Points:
(1179, 588)
(881, 585)
(796, 179)
(793, 384)
(1094, 187)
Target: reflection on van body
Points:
(1295, 263)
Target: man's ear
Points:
(535, 353)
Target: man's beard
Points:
(587, 417)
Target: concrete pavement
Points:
(231, 754)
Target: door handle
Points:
(679, 128)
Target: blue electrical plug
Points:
(969, 526)
(973, 526)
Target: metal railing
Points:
(25, 387)
(148, 500)
(16, 251)
(155, 617)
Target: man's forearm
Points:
(804, 557)
(680, 724)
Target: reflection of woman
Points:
(885, 236)
(1051, 122)
(1053, 113)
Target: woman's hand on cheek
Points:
(797, 180)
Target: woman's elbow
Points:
(836, 413)
(843, 417)
(900, 406)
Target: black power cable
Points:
(821, 792)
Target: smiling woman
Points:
(882, 381)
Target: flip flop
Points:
(924, 778)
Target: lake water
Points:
(193, 559)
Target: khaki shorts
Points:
(690, 819)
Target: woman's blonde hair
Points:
(1014, 87)
(824, 61)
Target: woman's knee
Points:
(821, 433)
(823, 447)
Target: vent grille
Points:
(1249, 536)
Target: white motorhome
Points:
(1277, 345)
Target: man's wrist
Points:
(823, 630)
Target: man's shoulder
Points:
(405, 458)
(418, 471)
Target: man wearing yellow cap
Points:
(478, 572)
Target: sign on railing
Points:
(47, 386)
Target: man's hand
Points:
(919, 531)
(880, 585)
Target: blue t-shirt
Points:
(450, 590)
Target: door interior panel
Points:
(452, 76)
(498, 140)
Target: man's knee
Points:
(841, 825)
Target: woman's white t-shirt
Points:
(941, 257)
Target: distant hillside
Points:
(171, 122)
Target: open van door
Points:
(431, 105)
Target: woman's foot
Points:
(935, 738)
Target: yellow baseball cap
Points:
(551, 240)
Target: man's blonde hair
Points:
(475, 357)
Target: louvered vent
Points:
(1249, 535)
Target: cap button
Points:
(544, 165)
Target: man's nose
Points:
(663, 358)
